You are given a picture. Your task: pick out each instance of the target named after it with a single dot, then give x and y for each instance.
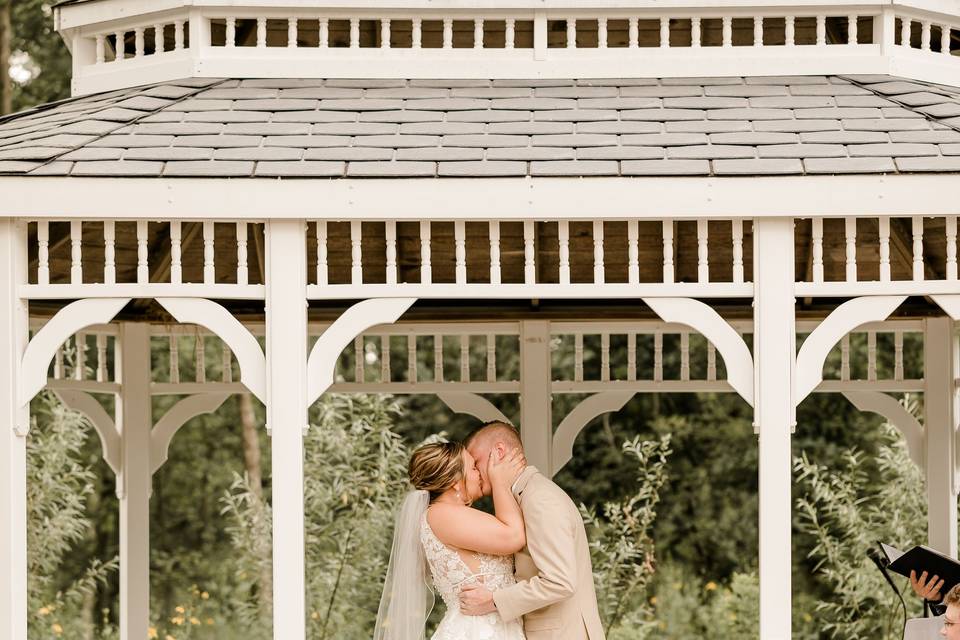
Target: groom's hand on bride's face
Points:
(476, 600)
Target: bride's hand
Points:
(507, 468)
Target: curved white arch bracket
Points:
(472, 404)
(950, 304)
(353, 322)
(178, 415)
(105, 426)
(887, 407)
(44, 345)
(704, 319)
(841, 321)
(209, 314)
(578, 418)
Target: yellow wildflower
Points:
(315, 616)
(653, 600)
(807, 617)
(43, 611)
(178, 620)
(194, 621)
(710, 586)
(57, 629)
(204, 596)
(179, 609)
(152, 632)
(169, 637)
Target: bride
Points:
(441, 543)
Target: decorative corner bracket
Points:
(472, 404)
(578, 418)
(887, 407)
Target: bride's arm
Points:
(467, 528)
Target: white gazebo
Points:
(346, 173)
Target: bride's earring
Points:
(459, 496)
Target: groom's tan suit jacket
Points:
(554, 591)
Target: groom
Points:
(554, 591)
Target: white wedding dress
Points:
(450, 573)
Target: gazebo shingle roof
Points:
(295, 128)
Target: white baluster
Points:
(495, 252)
(390, 231)
(58, 364)
(905, 24)
(491, 357)
(884, 249)
(758, 31)
(918, 247)
(601, 33)
(322, 252)
(426, 271)
(711, 361)
(737, 235)
(448, 33)
(478, 33)
(821, 31)
(138, 42)
(292, 33)
(727, 30)
(871, 355)
(696, 37)
(529, 252)
(850, 233)
(598, 267)
(354, 33)
(385, 373)
(100, 44)
(158, 41)
(634, 33)
(143, 253)
(109, 252)
(178, 39)
(118, 38)
(668, 251)
(261, 32)
(510, 35)
(176, 268)
(101, 357)
(817, 249)
(605, 357)
(209, 268)
(324, 40)
(563, 232)
(226, 363)
(703, 264)
(845, 357)
(231, 39)
(76, 252)
(685, 356)
(356, 252)
(898, 355)
(464, 358)
(945, 39)
(790, 31)
(438, 358)
(571, 33)
(851, 29)
(925, 35)
(633, 251)
(174, 359)
(658, 356)
(951, 247)
(43, 252)
(80, 364)
(243, 269)
(411, 358)
(384, 33)
(417, 33)
(664, 33)
(200, 358)
(578, 357)
(631, 356)
(460, 250)
(359, 375)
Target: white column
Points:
(774, 354)
(286, 311)
(134, 422)
(940, 370)
(14, 421)
(536, 415)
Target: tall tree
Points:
(6, 34)
(46, 56)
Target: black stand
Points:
(881, 562)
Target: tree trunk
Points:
(251, 463)
(6, 36)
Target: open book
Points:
(920, 559)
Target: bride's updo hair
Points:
(436, 467)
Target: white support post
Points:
(940, 370)
(135, 421)
(536, 416)
(774, 350)
(14, 421)
(286, 340)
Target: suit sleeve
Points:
(551, 543)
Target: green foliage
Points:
(49, 61)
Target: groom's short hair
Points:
(495, 430)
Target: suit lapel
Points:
(523, 480)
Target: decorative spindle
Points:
(261, 32)
(138, 42)
(448, 33)
(850, 234)
(905, 26)
(243, 270)
(359, 374)
(658, 356)
(101, 357)
(385, 374)
(324, 40)
(727, 31)
(200, 359)
(598, 267)
(438, 358)
(495, 252)
(737, 235)
(711, 361)
(631, 356)
(176, 268)
(633, 251)
(417, 33)
(951, 247)
(925, 35)
(633, 33)
(226, 363)
(460, 250)
(685, 355)
(884, 249)
(391, 236)
(758, 31)
(158, 41)
(703, 264)
(426, 271)
(601, 33)
(76, 252)
(571, 33)
(292, 33)
(118, 46)
(209, 267)
(845, 357)
(664, 33)
(696, 37)
(510, 33)
(356, 252)
(918, 247)
(851, 29)
(43, 252)
(563, 232)
(411, 358)
(491, 357)
(871, 355)
(668, 251)
(529, 253)
(174, 359)
(100, 44)
(464, 358)
(478, 33)
(816, 238)
(179, 41)
(790, 31)
(945, 39)
(385, 33)
(821, 31)
(109, 252)
(321, 252)
(80, 364)
(143, 253)
(231, 32)
(898, 355)
(578, 357)
(605, 357)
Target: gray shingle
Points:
(440, 153)
(634, 126)
(575, 115)
(705, 102)
(349, 153)
(533, 104)
(169, 153)
(892, 149)
(757, 167)
(16, 166)
(30, 153)
(320, 93)
(240, 93)
(144, 103)
(222, 168)
(461, 83)
(846, 137)
(829, 90)
(620, 153)
(422, 93)
(300, 169)
(437, 128)
(661, 92)
(901, 124)
(391, 169)
(306, 141)
(944, 110)
(314, 116)
(485, 168)
(380, 83)
(116, 168)
(401, 116)
(574, 140)
(896, 87)
(258, 153)
(229, 116)
(176, 128)
(803, 150)
(94, 153)
(199, 104)
(574, 168)
(446, 104)
(754, 137)
(921, 98)
(664, 167)
(663, 115)
(899, 112)
(797, 126)
(532, 128)
(486, 116)
(59, 168)
(746, 91)
(711, 151)
(576, 92)
(749, 113)
(848, 165)
(361, 104)
(486, 141)
(708, 126)
(220, 141)
(793, 102)
(618, 103)
(531, 153)
(664, 139)
(950, 149)
(934, 163)
(492, 92)
(268, 128)
(939, 135)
